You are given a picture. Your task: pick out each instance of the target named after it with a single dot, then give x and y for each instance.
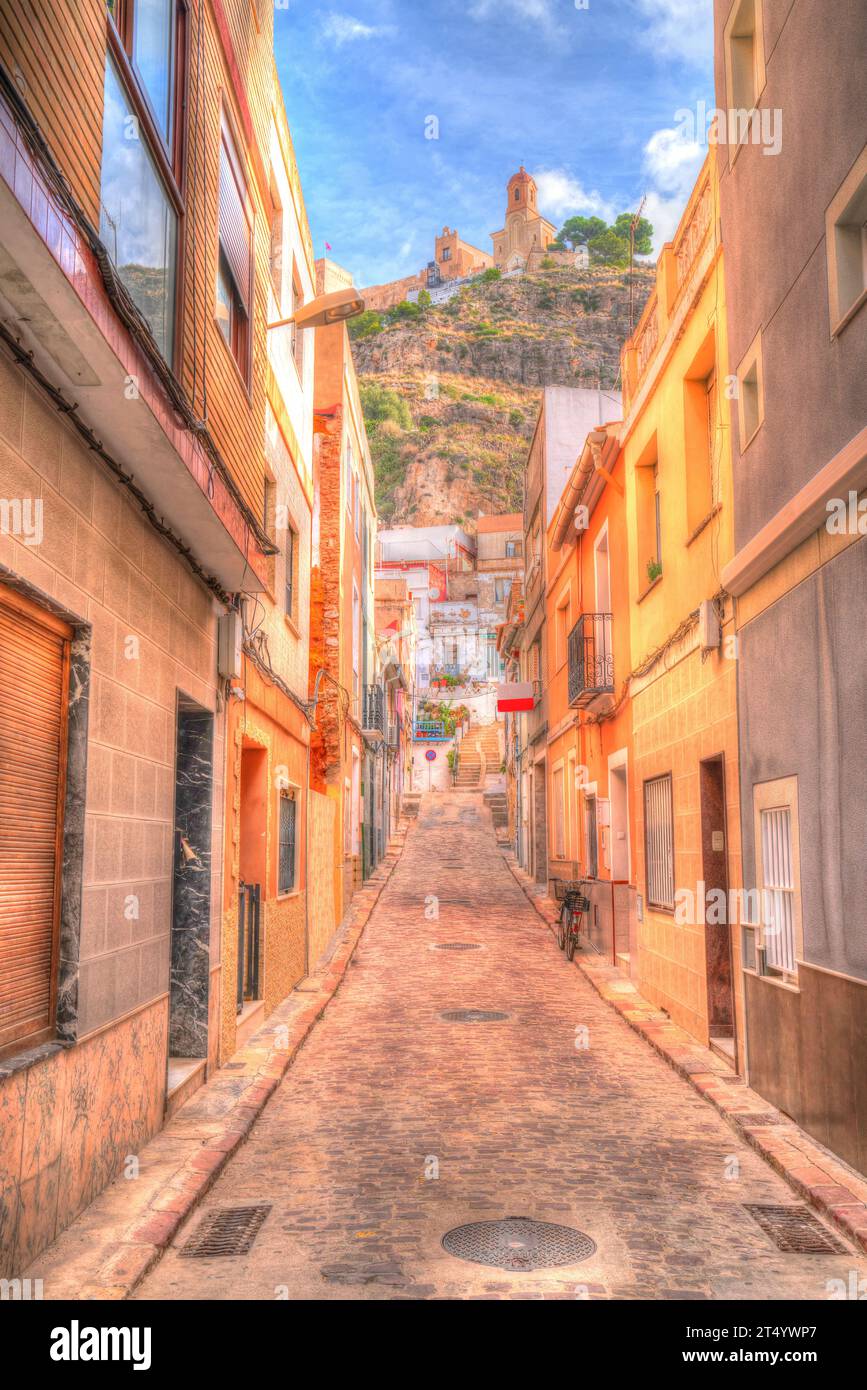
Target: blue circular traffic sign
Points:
(431, 755)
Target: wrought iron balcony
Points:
(591, 662)
(429, 731)
(374, 710)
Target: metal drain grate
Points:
(473, 1016)
(230, 1231)
(518, 1243)
(456, 946)
(795, 1230)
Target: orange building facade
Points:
(590, 783)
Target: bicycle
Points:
(574, 907)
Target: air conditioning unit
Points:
(709, 635)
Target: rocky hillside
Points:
(451, 392)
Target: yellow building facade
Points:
(676, 443)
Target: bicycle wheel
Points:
(571, 938)
(561, 927)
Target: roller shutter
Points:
(34, 666)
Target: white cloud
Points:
(342, 28)
(678, 29)
(562, 196)
(671, 164)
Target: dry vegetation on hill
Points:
(451, 392)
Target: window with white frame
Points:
(659, 842)
(778, 889)
(779, 945)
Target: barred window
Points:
(778, 882)
(659, 842)
(286, 866)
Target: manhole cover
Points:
(795, 1230)
(518, 1243)
(456, 946)
(230, 1231)
(473, 1016)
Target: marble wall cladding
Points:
(191, 910)
(67, 1124)
(73, 835)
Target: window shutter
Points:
(33, 696)
(234, 227)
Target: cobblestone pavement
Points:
(513, 1116)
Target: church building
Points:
(525, 230)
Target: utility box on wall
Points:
(230, 634)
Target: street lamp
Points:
(325, 309)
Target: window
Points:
(512, 549)
(702, 438)
(447, 253)
(649, 517)
(138, 218)
(517, 194)
(291, 549)
(745, 61)
(778, 870)
(846, 228)
(356, 505)
(348, 476)
(659, 842)
(287, 855)
(502, 589)
(778, 889)
(751, 396)
(562, 628)
(142, 155)
(34, 656)
(235, 267)
(591, 836)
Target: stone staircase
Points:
(499, 808)
(480, 753)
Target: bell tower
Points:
(521, 193)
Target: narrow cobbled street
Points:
(397, 1123)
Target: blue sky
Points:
(586, 98)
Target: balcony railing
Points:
(591, 662)
(429, 731)
(374, 710)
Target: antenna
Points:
(633, 228)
